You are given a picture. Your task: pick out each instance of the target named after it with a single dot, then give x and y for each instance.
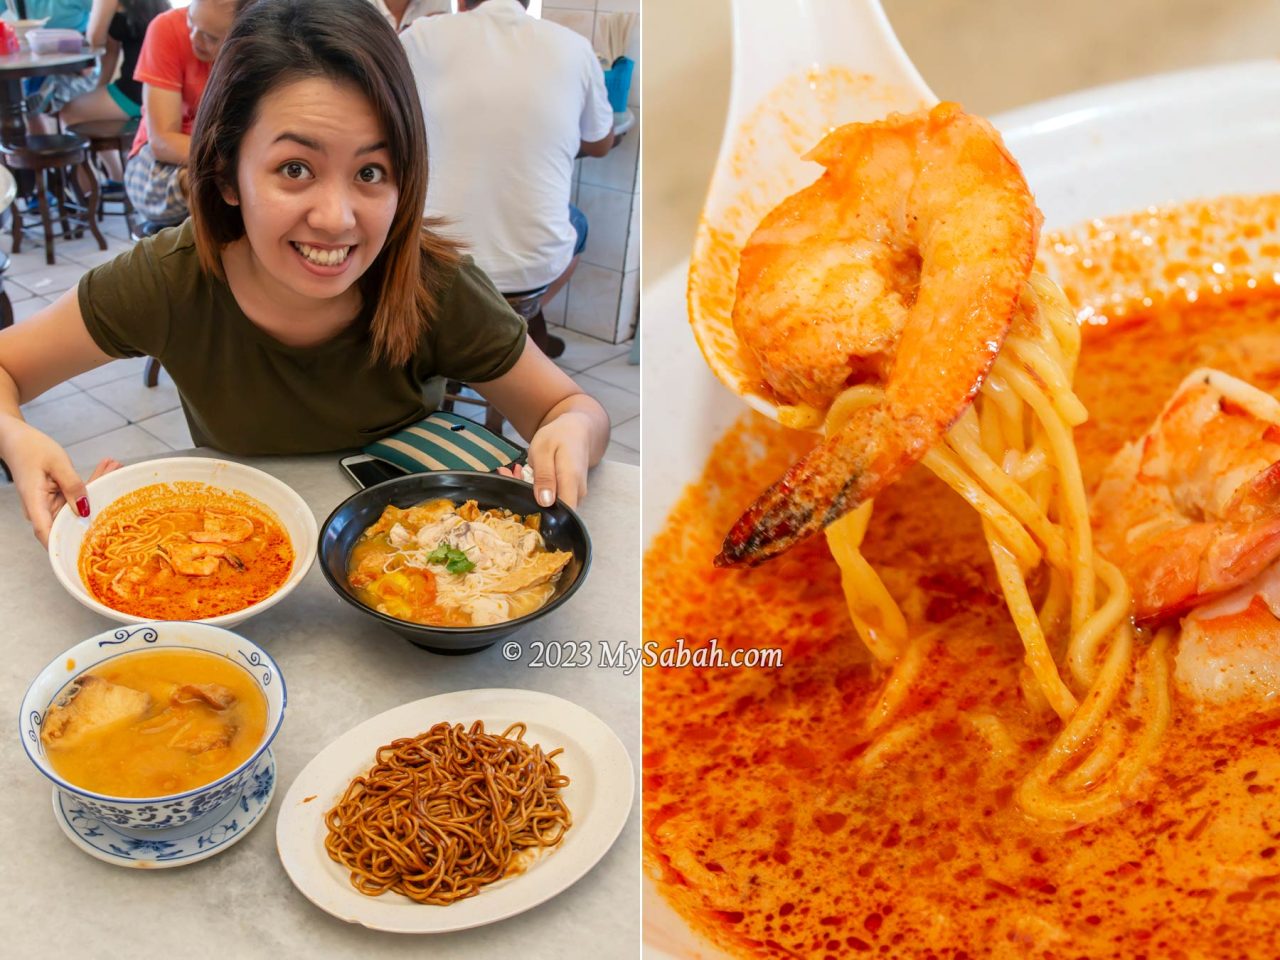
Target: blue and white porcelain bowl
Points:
(148, 814)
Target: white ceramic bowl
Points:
(148, 814)
(299, 522)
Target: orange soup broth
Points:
(417, 592)
(264, 560)
(777, 828)
(137, 760)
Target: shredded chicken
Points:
(510, 570)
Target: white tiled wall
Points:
(603, 298)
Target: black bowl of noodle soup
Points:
(560, 527)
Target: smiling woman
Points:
(315, 209)
(306, 302)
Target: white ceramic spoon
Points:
(800, 68)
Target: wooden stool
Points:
(106, 136)
(493, 420)
(6, 305)
(8, 191)
(49, 157)
(6, 320)
(528, 305)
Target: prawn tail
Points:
(833, 478)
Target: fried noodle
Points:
(442, 814)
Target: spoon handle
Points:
(777, 39)
(800, 69)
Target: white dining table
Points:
(341, 668)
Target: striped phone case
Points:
(446, 441)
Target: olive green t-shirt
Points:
(247, 393)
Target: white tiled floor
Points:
(110, 412)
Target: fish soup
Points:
(154, 723)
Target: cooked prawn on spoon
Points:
(901, 266)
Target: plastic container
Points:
(54, 41)
(617, 83)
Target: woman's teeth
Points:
(323, 258)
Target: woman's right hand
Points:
(43, 474)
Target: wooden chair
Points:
(110, 136)
(49, 157)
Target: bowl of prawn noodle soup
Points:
(236, 481)
(561, 529)
(1084, 156)
(256, 675)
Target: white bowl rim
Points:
(303, 560)
(62, 784)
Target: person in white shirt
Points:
(509, 102)
(401, 13)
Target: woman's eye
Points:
(371, 175)
(295, 170)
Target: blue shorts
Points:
(579, 221)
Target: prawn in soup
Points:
(154, 723)
(910, 841)
(446, 565)
(184, 551)
(930, 823)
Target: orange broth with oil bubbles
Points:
(777, 829)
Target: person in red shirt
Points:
(173, 68)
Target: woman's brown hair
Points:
(276, 42)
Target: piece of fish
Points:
(214, 695)
(538, 569)
(90, 706)
(200, 736)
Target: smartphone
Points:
(366, 470)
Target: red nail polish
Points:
(82, 506)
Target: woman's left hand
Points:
(560, 454)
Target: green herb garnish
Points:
(454, 560)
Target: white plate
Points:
(1112, 150)
(159, 849)
(599, 796)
